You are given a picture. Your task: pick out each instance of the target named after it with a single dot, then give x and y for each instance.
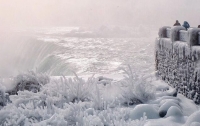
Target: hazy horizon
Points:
(36, 13)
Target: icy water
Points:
(54, 52)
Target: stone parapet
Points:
(177, 56)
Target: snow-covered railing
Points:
(179, 33)
(199, 38)
(177, 57)
(168, 32)
(183, 36)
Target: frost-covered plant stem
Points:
(136, 89)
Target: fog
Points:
(44, 13)
(141, 16)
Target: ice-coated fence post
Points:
(168, 32)
(199, 38)
(193, 36)
(163, 31)
(174, 35)
(183, 35)
(177, 59)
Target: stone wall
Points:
(177, 56)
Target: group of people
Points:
(185, 24)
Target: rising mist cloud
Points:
(27, 13)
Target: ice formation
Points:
(132, 100)
(177, 61)
(174, 34)
(193, 34)
(162, 31)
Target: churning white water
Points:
(61, 51)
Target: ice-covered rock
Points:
(151, 112)
(167, 93)
(172, 92)
(193, 119)
(164, 108)
(174, 111)
(176, 101)
(104, 80)
(164, 99)
(195, 124)
(161, 86)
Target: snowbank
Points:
(150, 111)
(193, 119)
(87, 102)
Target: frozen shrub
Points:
(58, 92)
(112, 117)
(66, 101)
(104, 80)
(74, 89)
(30, 81)
(97, 99)
(96, 121)
(74, 114)
(136, 89)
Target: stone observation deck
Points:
(177, 56)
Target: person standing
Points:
(186, 25)
(177, 23)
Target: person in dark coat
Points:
(177, 23)
(186, 25)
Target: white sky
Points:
(33, 13)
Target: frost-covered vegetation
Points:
(72, 101)
(137, 89)
(99, 101)
(29, 81)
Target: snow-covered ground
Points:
(108, 92)
(112, 100)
